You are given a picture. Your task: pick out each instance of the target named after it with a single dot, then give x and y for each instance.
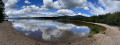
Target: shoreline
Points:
(111, 36)
(10, 36)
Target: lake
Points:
(54, 30)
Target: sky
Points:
(53, 8)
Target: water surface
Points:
(50, 30)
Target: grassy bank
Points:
(95, 30)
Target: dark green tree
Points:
(2, 15)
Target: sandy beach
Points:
(10, 36)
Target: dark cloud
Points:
(12, 7)
(65, 4)
(73, 4)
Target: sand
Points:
(112, 36)
(10, 36)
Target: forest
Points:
(111, 19)
(2, 14)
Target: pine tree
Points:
(1, 11)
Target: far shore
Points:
(10, 36)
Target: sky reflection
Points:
(50, 30)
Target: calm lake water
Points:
(51, 30)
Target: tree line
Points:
(2, 14)
(111, 19)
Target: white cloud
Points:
(83, 14)
(63, 6)
(29, 11)
(26, 1)
(49, 4)
(10, 4)
(106, 6)
(35, 11)
(86, 8)
(65, 12)
(25, 10)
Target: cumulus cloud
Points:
(83, 14)
(30, 11)
(10, 4)
(26, 10)
(86, 8)
(106, 6)
(27, 2)
(35, 11)
(49, 4)
(65, 4)
(65, 12)
(73, 4)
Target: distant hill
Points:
(59, 17)
(76, 16)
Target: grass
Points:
(96, 29)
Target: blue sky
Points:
(48, 8)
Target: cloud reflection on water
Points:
(50, 30)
